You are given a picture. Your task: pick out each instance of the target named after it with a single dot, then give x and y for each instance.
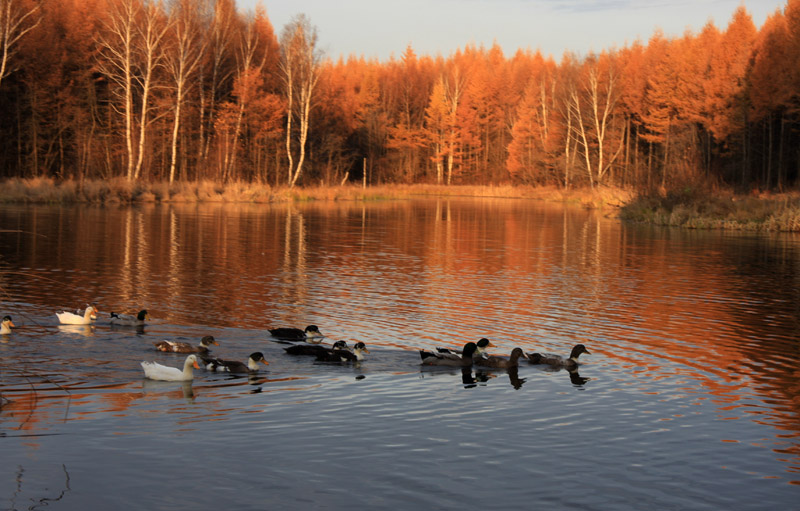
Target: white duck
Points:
(156, 371)
(69, 318)
(5, 327)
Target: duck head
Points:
(255, 359)
(469, 349)
(577, 350)
(208, 340)
(483, 344)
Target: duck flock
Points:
(304, 342)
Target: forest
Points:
(191, 90)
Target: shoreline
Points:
(688, 208)
(122, 191)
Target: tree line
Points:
(197, 90)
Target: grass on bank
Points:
(120, 190)
(694, 208)
(717, 209)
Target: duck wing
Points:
(156, 371)
(328, 355)
(175, 347)
(289, 334)
(306, 349)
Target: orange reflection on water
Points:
(673, 307)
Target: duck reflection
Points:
(168, 387)
(139, 329)
(79, 330)
(576, 378)
(514, 379)
(472, 380)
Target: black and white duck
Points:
(234, 366)
(480, 350)
(344, 355)
(311, 333)
(314, 349)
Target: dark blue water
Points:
(687, 401)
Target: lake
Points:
(688, 399)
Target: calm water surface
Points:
(690, 398)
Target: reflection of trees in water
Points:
(31, 398)
(36, 502)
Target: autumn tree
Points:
(725, 88)
(345, 101)
(257, 48)
(116, 61)
(149, 55)
(217, 71)
(300, 65)
(441, 120)
(17, 18)
(536, 133)
(182, 61)
(437, 120)
(632, 59)
(409, 83)
(773, 90)
(592, 103)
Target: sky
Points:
(384, 28)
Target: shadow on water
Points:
(21, 500)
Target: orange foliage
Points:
(725, 87)
(699, 103)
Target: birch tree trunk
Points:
(150, 35)
(453, 95)
(183, 61)
(300, 65)
(15, 22)
(116, 63)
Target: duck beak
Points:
(11, 324)
(264, 361)
(215, 343)
(195, 365)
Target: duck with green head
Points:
(430, 358)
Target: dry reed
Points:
(121, 190)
